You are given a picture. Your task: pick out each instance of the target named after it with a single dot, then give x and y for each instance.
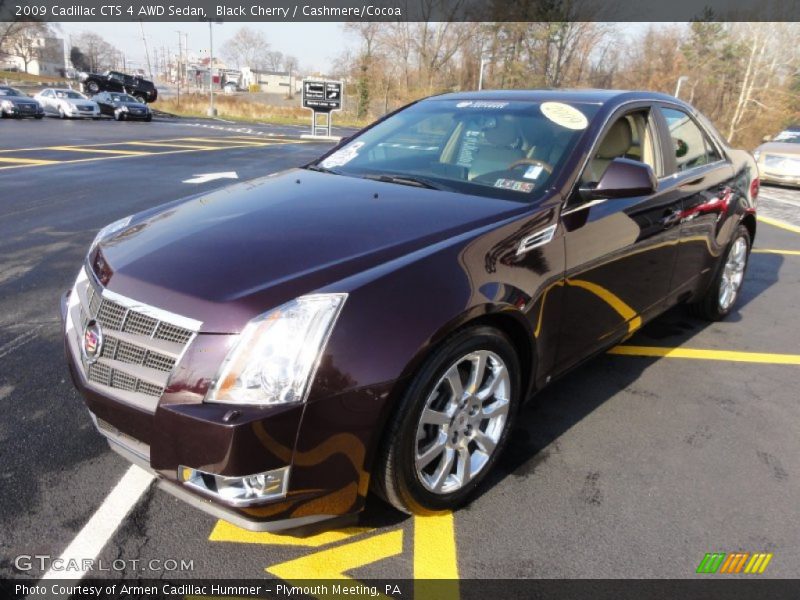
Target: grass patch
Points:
(238, 108)
(16, 76)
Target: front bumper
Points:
(779, 178)
(324, 443)
(14, 111)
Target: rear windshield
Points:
(502, 149)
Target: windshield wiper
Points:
(406, 180)
(321, 169)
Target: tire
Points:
(720, 297)
(61, 113)
(91, 87)
(119, 116)
(148, 118)
(421, 464)
(39, 117)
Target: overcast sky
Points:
(316, 45)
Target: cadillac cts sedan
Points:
(779, 158)
(68, 104)
(275, 349)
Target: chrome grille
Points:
(141, 344)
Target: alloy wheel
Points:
(733, 273)
(462, 422)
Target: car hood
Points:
(227, 256)
(780, 148)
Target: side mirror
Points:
(624, 178)
(766, 138)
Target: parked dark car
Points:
(114, 81)
(274, 349)
(122, 106)
(14, 103)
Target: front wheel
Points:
(719, 299)
(452, 423)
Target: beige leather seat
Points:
(501, 150)
(615, 144)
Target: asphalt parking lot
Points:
(681, 442)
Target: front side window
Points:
(692, 146)
(629, 136)
(8, 91)
(70, 94)
(503, 149)
(788, 136)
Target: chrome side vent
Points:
(540, 238)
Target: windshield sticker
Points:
(343, 156)
(481, 104)
(511, 184)
(533, 172)
(564, 115)
(469, 146)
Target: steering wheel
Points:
(531, 161)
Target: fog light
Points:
(238, 491)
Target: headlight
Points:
(277, 354)
(7, 104)
(123, 108)
(109, 230)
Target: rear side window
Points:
(692, 146)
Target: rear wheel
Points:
(721, 296)
(452, 423)
(91, 87)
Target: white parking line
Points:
(91, 540)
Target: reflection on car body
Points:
(375, 320)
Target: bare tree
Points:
(98, 53)
(247, 48)
(25, 42)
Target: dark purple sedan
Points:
(373, 321)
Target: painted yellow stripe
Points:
(226, 532)
(97, 158)
(91, 150)
(780, 224)
(225, 141)
(335, 562)
(435, 558)
(23, 162)
(435, 547)
(691, 353)
(169, 145)
(772, 251)
(123, 142)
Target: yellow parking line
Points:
(772, 251)
(169, 145)
(119, 143)
(780, 224)
(98, 158)
(25, 162)
(435, 547)
(89, 149)
(723, 355)
(225, 140)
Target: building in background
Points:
(43, 56)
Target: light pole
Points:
(212, 112)
(484, 62)
(681, 79)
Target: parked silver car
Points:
(68, 104)
(14, 103)
(779, 157)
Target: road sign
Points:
(322, 97)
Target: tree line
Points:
(744, 76)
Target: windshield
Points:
(501, 149)
(789, 136)
(122, 98)
(7, 91)
(70, 94)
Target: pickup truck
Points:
(114, 81)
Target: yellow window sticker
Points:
(564, 115)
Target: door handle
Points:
(669, 218)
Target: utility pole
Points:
(179, 69)
(146, 52)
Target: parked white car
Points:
(68, 104)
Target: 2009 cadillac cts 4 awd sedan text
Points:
(274, 349)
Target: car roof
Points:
(584, 96)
